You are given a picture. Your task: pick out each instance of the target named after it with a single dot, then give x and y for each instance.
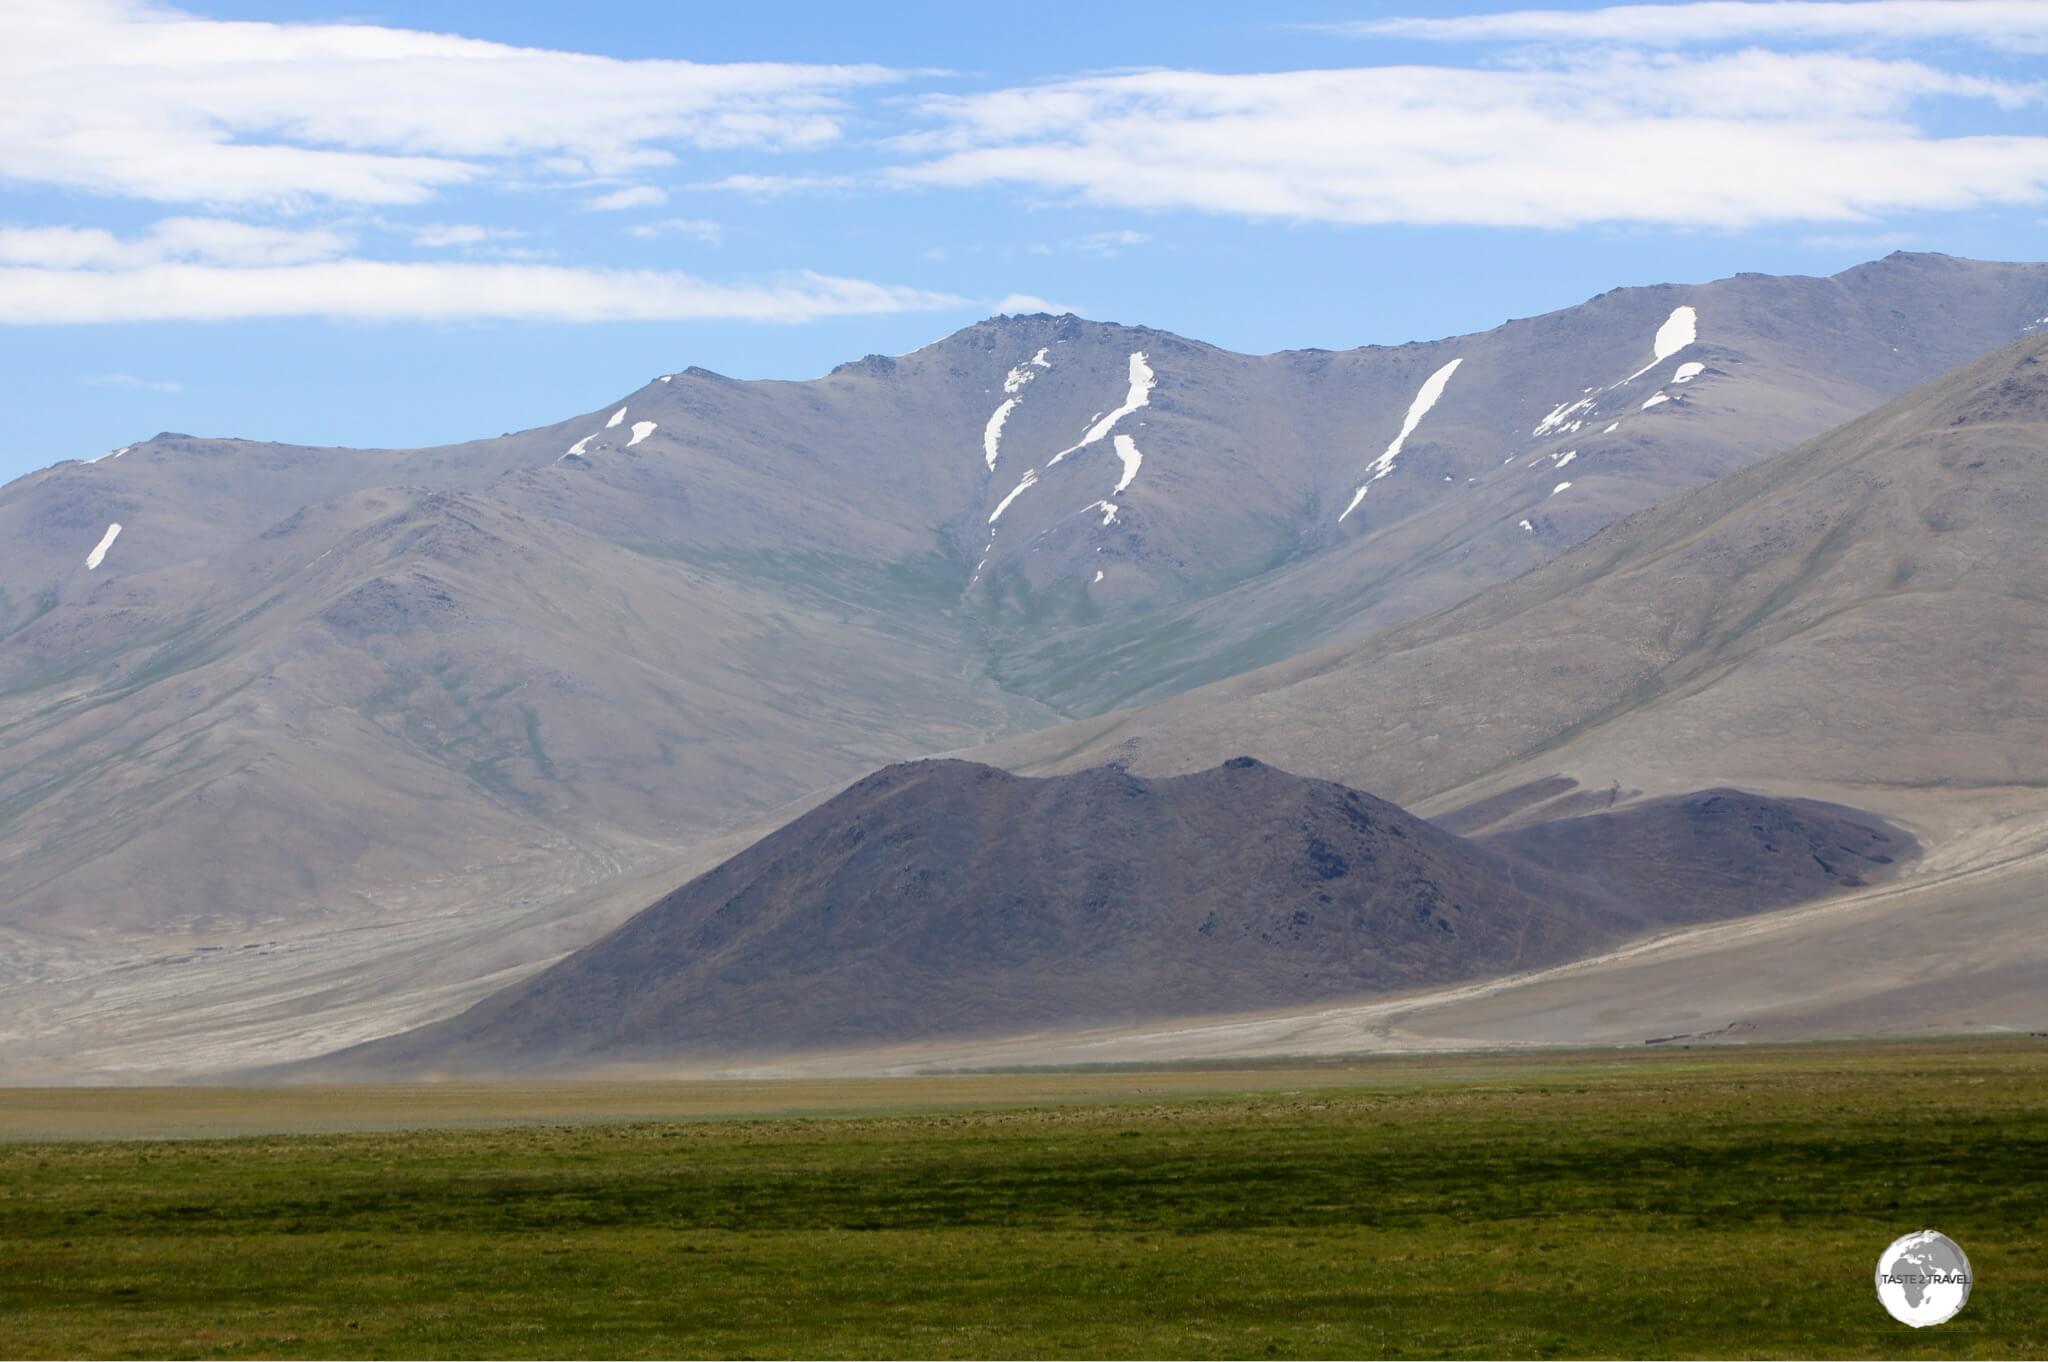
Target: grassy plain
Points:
(1724, 1202)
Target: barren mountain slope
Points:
(1870, 608)
(406, 688)
(945, 900)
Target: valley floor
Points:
(1649, 1201)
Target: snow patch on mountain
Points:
(1127, 450)
(1015, 380)
(641, 430)
(1425, 397)
(1030, 477)
(1680, 329)
(617, 417)
(1561, 419)
(1688, 371)
(99, 551)
(992, 433)
(1013, 383)
(1142, 381)
(1656, 399)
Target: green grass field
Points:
(1726, 1202)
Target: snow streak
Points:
(1425, 398)
(99, 552)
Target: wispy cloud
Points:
(775, 186)
(1021, 303)
(131, 98)
(466, 235)
(212, 240)
(1858, 241)
(1729, 140)
(1108, 245)
(118, 380)
(376, 290)
(1670, 25)
(699, 229)
(633, 196)
(1107, 241)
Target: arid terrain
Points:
(489, 632)
(952, 900)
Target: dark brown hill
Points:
(1713, 854)
(946, 899)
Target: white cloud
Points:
(1108, 244)
(441, 234)
(2023, 22)
(376, 290)
(127, 97)
(775, 186)
(1861, 242)
(211, 240)
(1731, 141)
(118, 380)
(702, 229)
(1022, 303)
(634, 196)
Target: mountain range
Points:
(318, 743)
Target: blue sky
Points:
(346, 224)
